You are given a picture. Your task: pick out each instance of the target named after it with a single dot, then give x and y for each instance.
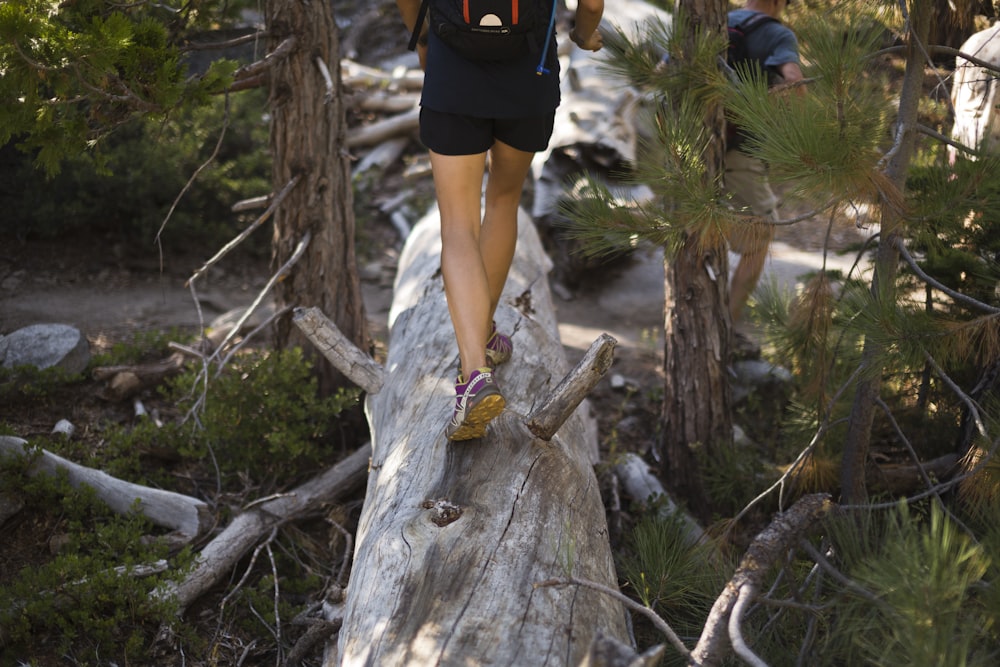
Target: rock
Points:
(229, 319)
(763, 390)
(3, 348)
(64, 427)
(754, 375)
(47, 345)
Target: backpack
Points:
(488, 29)
(738, 53)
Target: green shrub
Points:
(144, 167)
(678, 580)
(84, 599)
(262, 418)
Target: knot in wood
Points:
(443, 511)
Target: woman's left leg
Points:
(508, 168)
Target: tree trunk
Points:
(308, 135)
(453, 536)
(696, 404)
(858, 440)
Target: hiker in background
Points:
(774, 46)
(484, 104)
(974, 95)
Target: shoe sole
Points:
(479, 417)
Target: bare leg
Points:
(458, 181)
(476, 252)
(746, 180)
(508, 169)
(745, 278)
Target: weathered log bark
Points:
(453, 536)
(188, 516)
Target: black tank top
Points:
(509, 89)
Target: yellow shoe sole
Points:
(476, 421)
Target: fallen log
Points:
(453, 536)
(401, 124)
(187, 516)
(723, 626)
(900, 479)
(251, 525)
(355, 75)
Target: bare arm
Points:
(792, 74)
(588, 17)
(408, 10)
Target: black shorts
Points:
(454, 134)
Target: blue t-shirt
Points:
(771, 43)
(508, 89)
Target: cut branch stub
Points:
(568, 394)
(356, 366)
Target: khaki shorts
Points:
(745, 180)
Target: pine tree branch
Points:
(840, 578)
(957, 296)
(784, 222)
(281, 273)
(274, 203)
(785, 530)
(939, 50)
(325, 71)
(744, 596)
(228, 44)
(254, 69)
(974, 408)
(190, 181)
(248, 83)
(655, 618)
(934, 134)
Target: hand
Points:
(593, 42)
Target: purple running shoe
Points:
(477, 402)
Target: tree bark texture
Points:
(453, 536)
(696, 404)
(308, 138)
(859, 427)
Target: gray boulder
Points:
(47, 345)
